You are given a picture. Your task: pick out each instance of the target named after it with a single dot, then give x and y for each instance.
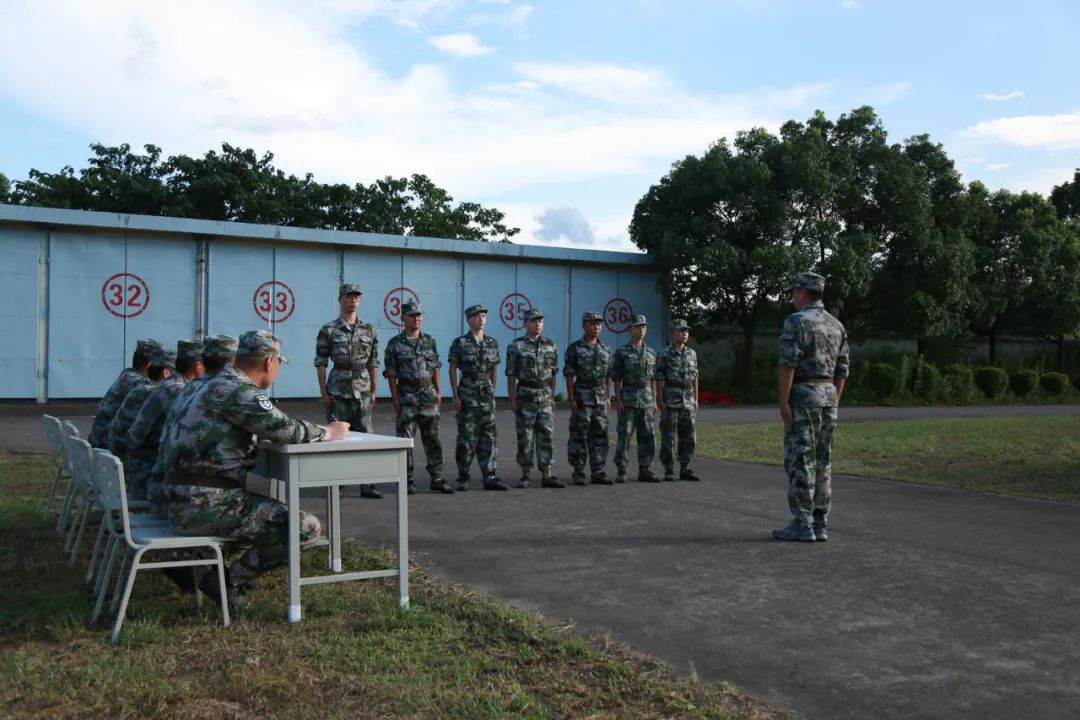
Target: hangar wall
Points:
(77, 289)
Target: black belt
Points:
(812, 380)
(143, 454)
(210, 481)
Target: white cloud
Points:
(460, 45)
(890, 92)
(1015, 94)
(565, 222)
(992, 167)
(597, 81)
(516, 18)
(1043, 131)
(799, 95)
(849, 5)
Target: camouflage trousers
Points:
(136, 473)
(355, 412)
(637, 421)
(808, 461)
(535, 424)
(677, 422)
(588, 439)
(157, 494)
(476, 435)
(259, 524)
(426, 420)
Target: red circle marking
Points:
(394, 300)
(273, 301)
(512, 309)
(618, 315)
(125, 295)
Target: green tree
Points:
(1066, 198)
(1052, 304)
(5, 189)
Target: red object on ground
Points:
(717, 398)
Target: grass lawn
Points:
(454, 654)
(1035, 457)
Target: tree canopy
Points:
(240, 185)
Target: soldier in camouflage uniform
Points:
(814, 364)
(677, 398)
(129, 378)
(210, 449)
(531, 364)
(137, 467)
(219, 352)
(632, 373)
(349, 393)
(411, 365)
(144, 435)
(476, 355)
(587, 369)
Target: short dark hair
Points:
(248, 361)
(155, 372)
(215, 364)
(184, 364)
(140, 359)
(814, 295)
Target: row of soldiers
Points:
(644, 383)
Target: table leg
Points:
(293, 492)
(403, 533)
(330, 527)
(335, 528)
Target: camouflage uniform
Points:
(413, 362)
(144, 435)
(589, 364)
(533, 363)
(355, 352)
(476, 432)
(815, 345)
(635, 369)
(128, 379)
(208, 452)
(677, 370)
(137, 466)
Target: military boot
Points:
(370, 491)
(669, 475)
(580, 479)
(820, 528)
(549, 481)
(493, 483)
(795, 531)
(620, 477)
(645, 475)
(688, 474)
(462, 484)
(438, 485)
(412, 488)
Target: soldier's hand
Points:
(457, 405)
(327, 402)
(655, 409)
(397, 406)
(337, 431)
(663, 407)
(573, 405)
(513, 406)
(785, 414)
(619, 406)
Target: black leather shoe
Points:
(669, 476)
(370, 491)
(550, 482)
(441, 486)
(646, 475)
(601, 479)
(493, 483)
(688, 474)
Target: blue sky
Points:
(560, 113)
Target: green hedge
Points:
(957, 383)
(923, 379)
(1023, 382)
(883, 380)
(992, 381)
(1054, 383)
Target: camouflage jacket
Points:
(635, 369)
(355, 352)
(475, 360)
(125, 416)
(179, 404)
(413, 363)
(589, 364)
(218, 431)
(145, 432)
(114, 398)
(532, 364)
(815, 345)
(678, 370)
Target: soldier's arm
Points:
(436, 378)
(493, 373)
(373, 364)
(843, 366)
(658, 381)
(146, 419)
(390, 373)
(252, 410)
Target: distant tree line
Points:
(909, 251)
(242, 186)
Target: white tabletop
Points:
(355, 441)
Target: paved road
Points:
(926, 603)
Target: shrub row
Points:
(956, 383)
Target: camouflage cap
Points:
(147, 346)
(639, 320)
(260, 343)
(411, 308)
(807, 281)
(163, 358)
(679, 324)
(590, 316)
(220, 346)
(189, 350)
(534, 314)
(349, 289)
(473, 309)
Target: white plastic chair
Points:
(67, 432)
(54, 438)
(140, 540)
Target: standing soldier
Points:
(814, 366)
(632, 372)
(588, 376)
(531, 363)
(349, 393)
(476, 355)
(677, 397)
(144, 435)
(209, 451)
(137, 467)
(129, 378)
(412, 368)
